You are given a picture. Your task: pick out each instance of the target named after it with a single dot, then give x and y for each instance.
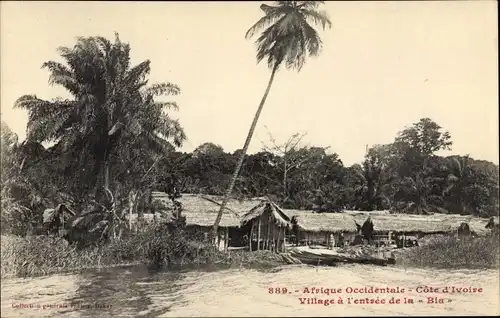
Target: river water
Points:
(139, 292)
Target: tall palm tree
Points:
(288, 39)
(457, 181)
(111, 105)
(112, 113)
(372, 180)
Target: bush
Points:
(452, 252)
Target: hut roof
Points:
(322, 222)
(476, 224)
(240, 207)
(376, 212)
(432, 223)
(202, 209)
(280, 218)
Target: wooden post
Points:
(284, 239)
(278, 247)
(268, 231)
(272, 236)
(226, 241)
(218, 239)
(258, 235)
(280, 240)
(275, 237)
(251, 236)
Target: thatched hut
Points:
(410, 226)
(266, 225)
(201, 211)
(318, 228)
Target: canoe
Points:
(322, 256)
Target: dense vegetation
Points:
(302, 178)
(113, 143)
(103, 150)
(392, 176)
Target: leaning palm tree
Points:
(287, 40)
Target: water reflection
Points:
(125, 292)
(130, 291)
(219, 291)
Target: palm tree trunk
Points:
(229, 189)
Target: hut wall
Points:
(223, 239)
(323, 237)
(266, 234)
(310, 237)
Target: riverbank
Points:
(446, 252)
(43, 255)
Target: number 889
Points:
(277, 290)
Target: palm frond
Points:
(138, 73)
(157, 144)
(62, 75)
(317, 17)
(167, 105)
(288, 37)
(104, 43)
(171, 129)
(46, 119)
(312, 39)
(160, 89)
(273, 14)
(309, 4)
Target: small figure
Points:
(332, 242)
(341, 239)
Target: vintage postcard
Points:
(249, 159)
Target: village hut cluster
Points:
(260, 224)
(201, 211)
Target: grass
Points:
(33, 256)
(43, 255)
(453, 253)
(158, 246)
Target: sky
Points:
(384, 65)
